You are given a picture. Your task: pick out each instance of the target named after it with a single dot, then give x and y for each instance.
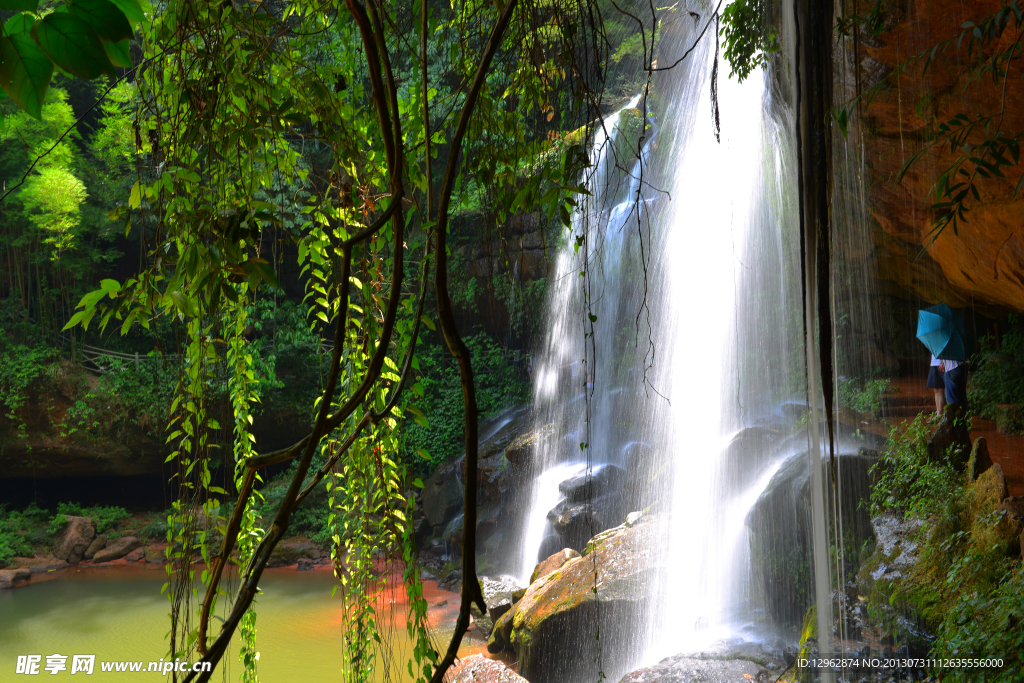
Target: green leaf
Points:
(106, 19)
(72, 45)
(20, 5)
(131, 8)
(19, 23)
(428, 322)
(24, 72)
(135, 198)
(119, 54)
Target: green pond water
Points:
(118, 614)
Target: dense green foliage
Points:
(963, 584)
(907, 481)
(32, 530)
(866, 398)
(20, 531)
(500, 384)
(999, 377)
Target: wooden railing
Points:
(100, 361)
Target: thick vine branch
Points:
(470, 585)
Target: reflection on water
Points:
(119, 614)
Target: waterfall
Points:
(686, 257)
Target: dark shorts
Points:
(935, 378)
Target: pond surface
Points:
(118, 614)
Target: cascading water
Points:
(686, 261)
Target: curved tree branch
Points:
(470, 585)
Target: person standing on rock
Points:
(937, 385)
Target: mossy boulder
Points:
(606, 592)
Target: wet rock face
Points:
(555, 623)
(983, 262)
(602, 479)
(897, 546)
(442, 494)
(576, 522)
(74, 539)
(780, 530)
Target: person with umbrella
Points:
(942, 331)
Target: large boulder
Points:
(555, 624)
(780, 529)
(116, 549)
(951, 440)
(74, 539)
(479, 669)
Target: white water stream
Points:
(690, 272)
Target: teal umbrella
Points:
(942, 331)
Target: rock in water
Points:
(74, 539)
(116, 549)
(479, 669)
(555, 624)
